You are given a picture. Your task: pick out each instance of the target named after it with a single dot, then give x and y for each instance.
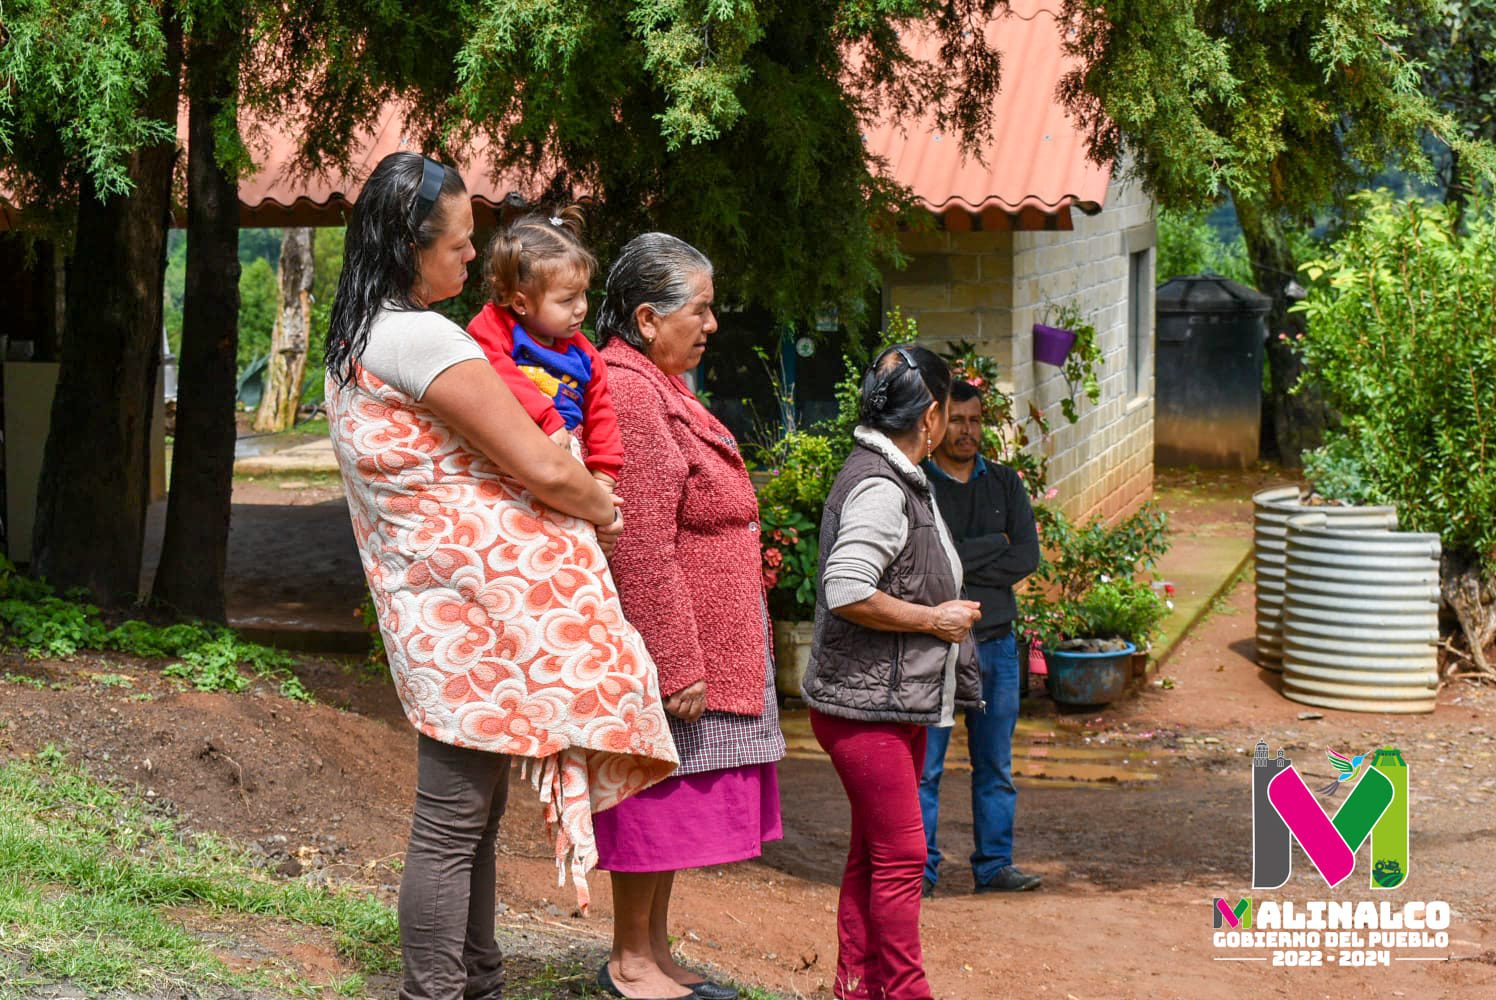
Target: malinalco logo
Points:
(1284, 809)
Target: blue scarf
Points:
(561, 376)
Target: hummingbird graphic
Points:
(1347, 766)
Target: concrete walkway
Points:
(1210, 524)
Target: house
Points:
(1037, 225)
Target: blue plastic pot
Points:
(1088, 678)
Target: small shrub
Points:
(40, 624)
(1121, 609)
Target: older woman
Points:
(493, 597)
(892, 655)
(688, 572)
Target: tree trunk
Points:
(1293, 422)
(1470, 593)
(293, 328)
(194, 554)
(95, 482)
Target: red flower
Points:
(773, 557)
(771, 578)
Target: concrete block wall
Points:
(991, 287)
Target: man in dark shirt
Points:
(990, 520)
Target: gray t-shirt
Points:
(408, 349)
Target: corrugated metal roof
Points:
(1035, 164)
(1032, 171)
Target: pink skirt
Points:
(712, 818)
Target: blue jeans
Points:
(989, 736)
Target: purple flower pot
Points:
(1051, 344)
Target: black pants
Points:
(447, 890)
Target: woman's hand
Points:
(688, 703)
(952, 620)
(473, 400)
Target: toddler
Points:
(537, 271)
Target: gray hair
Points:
(654, 270)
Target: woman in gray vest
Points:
(892, 655)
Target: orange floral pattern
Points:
(499, 615)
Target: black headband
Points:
(433, 175)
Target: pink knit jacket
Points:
(688, 566)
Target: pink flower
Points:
(771, 578)
(1051, 493)
(773, 557)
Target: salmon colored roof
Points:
(1034, 169)
(1036, 164)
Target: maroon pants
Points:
(877, 917)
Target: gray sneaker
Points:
(1010, 879)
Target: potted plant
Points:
(1085, 607)
(1088, 658)
(791, 560)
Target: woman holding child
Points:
(483, 544)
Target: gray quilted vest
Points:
(874, 676)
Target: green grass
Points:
(87, 875)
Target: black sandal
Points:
(605, 981)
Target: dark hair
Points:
(531, 249)
(900, 386)
(379, 254)
(654, 270)
(963, 391)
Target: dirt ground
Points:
(1137, 817)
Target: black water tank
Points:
(1209, 372)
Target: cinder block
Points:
(983, 242)
(928, 241)
(986, 295)
(950, 325)
(915, 298)
(922, 269)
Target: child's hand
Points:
(606, 481)
(563, 438)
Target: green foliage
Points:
(1454, 43)
(1188, 244)
(1402, 314)
(212, 658)
(1061, 600)
(93, 882)
(1287, 105)
(1120, 609)
(736, 123)
(1077, 559)
(792, 557)
(1337, 470)
(368, 616)
(259, 300)
(74, 78)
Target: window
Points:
(1139, 322)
